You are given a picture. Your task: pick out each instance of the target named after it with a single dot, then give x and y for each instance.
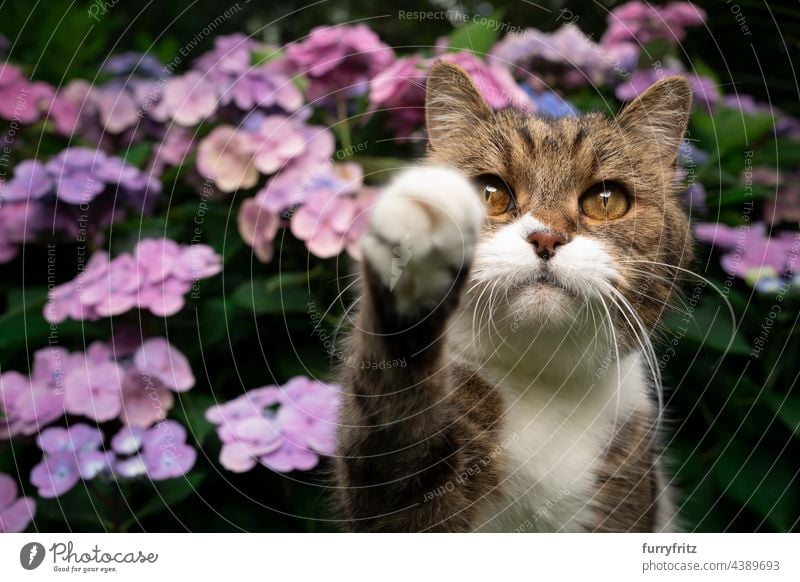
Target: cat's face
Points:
(581, 211)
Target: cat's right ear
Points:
(453, 104)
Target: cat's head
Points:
(581, 210)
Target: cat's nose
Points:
(546, 242)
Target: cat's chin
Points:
(543, 303)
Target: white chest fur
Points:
(555, 437)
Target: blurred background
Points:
(270, 297)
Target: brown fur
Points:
(412, 431)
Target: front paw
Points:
(422, 235)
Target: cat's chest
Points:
(551, 448)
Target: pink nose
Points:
(545, 243)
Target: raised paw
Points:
(422, 233)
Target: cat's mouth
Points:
(544, 278)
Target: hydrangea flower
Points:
(767, 263)
(186, 99)
(704, 89)
(156, 277)
(565, 57)
(641, 22)
(15, 512)
(493, 81)
(335, 213)
(70, 454)
(159, 453)
(258, 227)
(284, 429)
(21, 99)
(339, 58)
(400, 90)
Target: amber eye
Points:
(497, 194)
(605, 201)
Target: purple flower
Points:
(158, 358)
(70, 454)
(132, 63)
(339, 58)
(333, 218)
(145, 399)
(94, 391)
(159, 453)
(15, 513)
(291, 437)
(26, 405)
(703, 89)
(639, 22)
(566, 58)
(764, 262)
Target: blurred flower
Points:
(258, 227)
(156, 277)
(94, 391)
(640, 22)
(400, 90)
(494, 82)
(226, 157)
(15, 513)
(704, 90)
(186, 99)
(767, 263)
(785, 205)
(159, 453)
(339, 58)
(334, 215)
(550, 104)
(785, 124)
(284, 429)
(131, 63)
(22, 100)
(70, 454)
(158, 358)
(566, 58)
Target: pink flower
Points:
(494, 83)
(639, 22)
(293, 438)
(15, 513)
(258, 227)
(226, 157)
(145, 399)
(21, 99)
(334, 216)
(94, 391)
(339, 58)
(187, 100)
(400, 89)
(158, 358)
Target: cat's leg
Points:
(404, 441)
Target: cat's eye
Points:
(497, 195)
(605, 201)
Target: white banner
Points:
(398, 557)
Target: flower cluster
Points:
(77, 453)
(15, 512)
(134, 384)
(156, 276)
(640, 22)
(767, 262)
(77, 192)
(284, 428)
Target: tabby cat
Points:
(511, 285)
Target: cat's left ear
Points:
(659, 116)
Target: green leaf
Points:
(478, 35)
(254, 297)
(709, 325)
(286, 280)
(138, 154)
(169, 493)
(730, 130)
(787, 408)
(760, 482)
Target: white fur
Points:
(423, 229)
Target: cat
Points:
(518, 273)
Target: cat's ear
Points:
(659, 116)
(453, 104)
